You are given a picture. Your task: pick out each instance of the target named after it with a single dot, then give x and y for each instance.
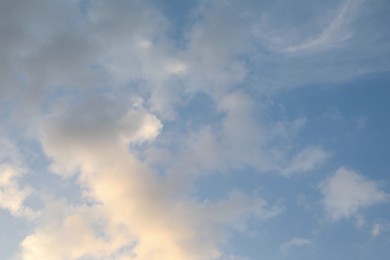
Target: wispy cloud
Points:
(306, 160)
(380, 227)
(335, 33)
(117, 102)
(294, 242)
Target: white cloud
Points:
(379, 228)
(161, 221)
(294, 242)
(335, 33)
(243, 136)
(306, 160)
(74, 232)
(55, 58)
(12, 194)
(92, 139)
(176, 67)
(376, 230)
(346, 192)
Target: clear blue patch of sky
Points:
(180, 15)
(352, 121)
(12, 231)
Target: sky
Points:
(194, 130)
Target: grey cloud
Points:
(96, 125)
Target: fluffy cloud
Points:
(157, 222)
(97, 126)
(12, 194)
(70, 232)
(116, 43)
(346, 192)
(244, 136)
(57, 55)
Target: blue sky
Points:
(227, 130)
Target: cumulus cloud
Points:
(12, 194)
(157, 221)
(70, 232)
(99, 84)
(346, 192)
(94, 127)
(93, 138)
(246, 137)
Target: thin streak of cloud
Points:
(294, 242)
(336, 33)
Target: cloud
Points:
(346, 192)
(159, 221)
(378, 228)
(306, 160)
(118, 48)
(294, 242)
(99, 84)
(127, 229)
(336, 32)
(70, 232)
(94, 127)
(12, 195)
(328, 45)
(244, 136)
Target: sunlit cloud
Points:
(154, 130)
